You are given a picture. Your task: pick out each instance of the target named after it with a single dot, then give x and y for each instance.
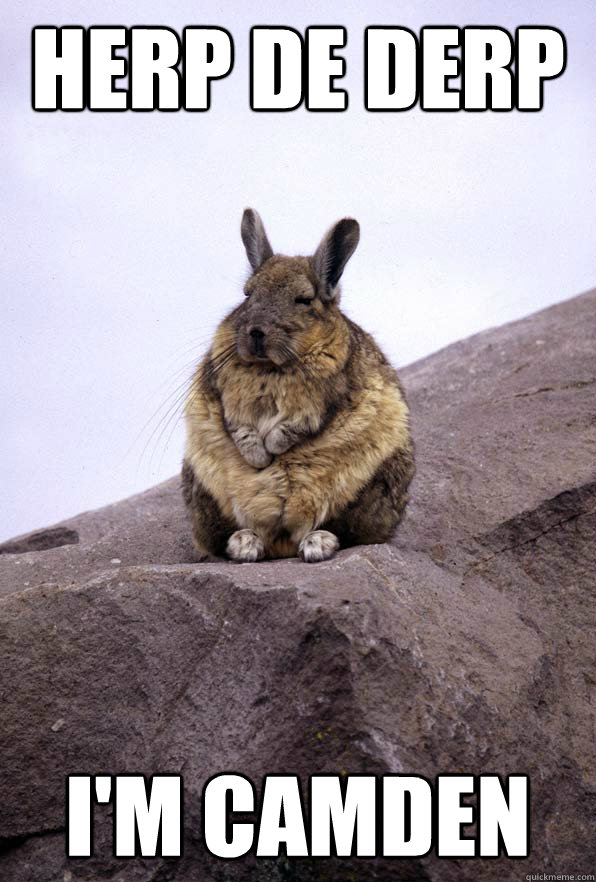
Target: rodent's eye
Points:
(305, 300)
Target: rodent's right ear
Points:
(258, 249)
(333, 253)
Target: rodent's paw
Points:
(256, 456)
(278, 440)
(244, 546)
(250, 446)
(318, 545)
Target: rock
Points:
(465, 645)
(53, 537)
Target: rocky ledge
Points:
(465, 645)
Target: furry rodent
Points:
(297, 428)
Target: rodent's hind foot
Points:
(244, 546)
(317, 546)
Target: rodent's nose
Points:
(257, 342)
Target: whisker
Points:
(172, 420)
(172, 411)
(159, 427)
(302, 367)
(153, 416)
(214, 365)
(339, 421)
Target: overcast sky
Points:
(121, 247)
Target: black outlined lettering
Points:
(105, 68)
(103, 788)
(487, 80)
(79, 826)
(342, 813)
(74, 68)
(503, 816)
(407, 816)
(148, 816)
(358, 816)
(452, 815)
(208, 55)
(154, 81)
(281, 827)
(540, 54)
(222, 795)
(391, 69)
(438, 66)
(323, 68)
(79, 811)
(276, 73)
(57, 68)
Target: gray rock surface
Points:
(467, 644)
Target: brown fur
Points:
(323, 415)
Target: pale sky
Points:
(121, 246)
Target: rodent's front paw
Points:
(251, 447)
(278, 440)
(256, 456)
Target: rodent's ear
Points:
(258, 249)
(333, 253)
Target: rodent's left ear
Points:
(252, 230)
(333, 253)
